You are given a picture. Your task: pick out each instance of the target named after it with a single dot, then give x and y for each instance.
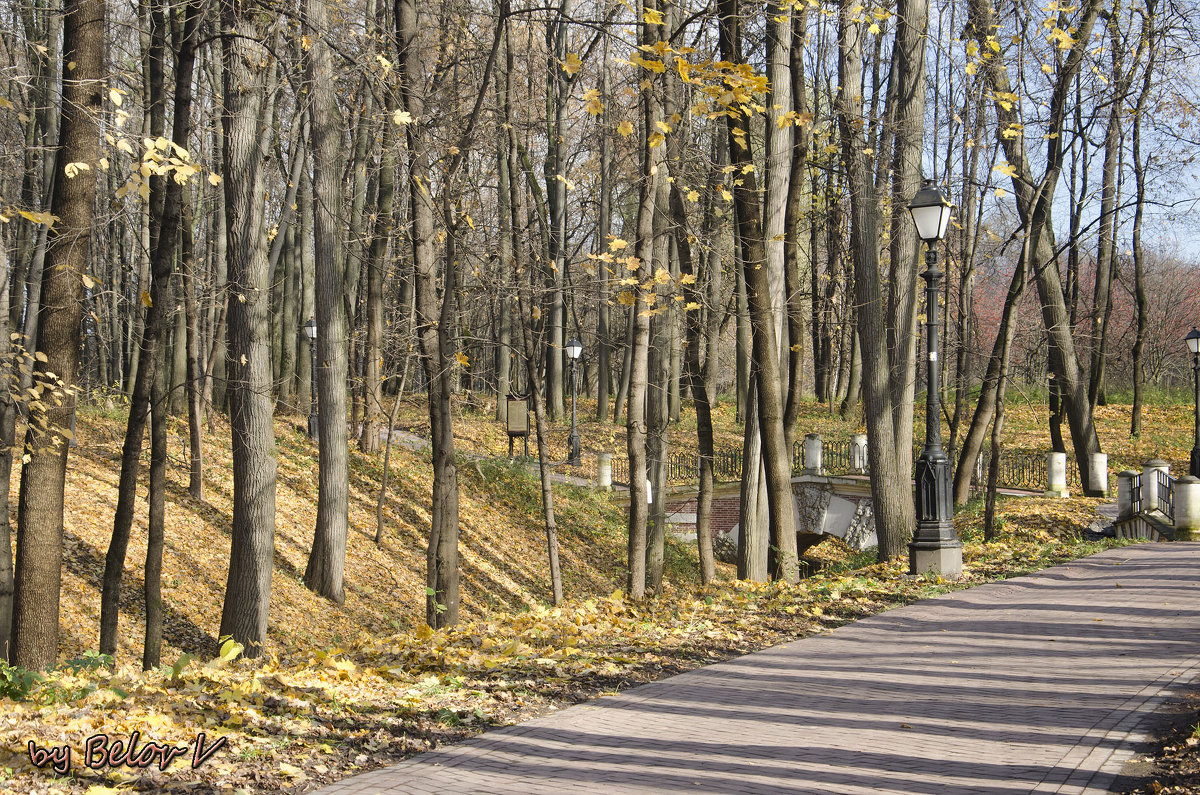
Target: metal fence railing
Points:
(1166, 494)
(1019, 469)
(1135, 493)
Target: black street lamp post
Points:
(935, 546)
(574, 349)
(310, 331)
(1193, 343)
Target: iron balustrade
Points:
(1135, 493)
(1023, 470)
(1166, 494)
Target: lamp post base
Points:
(943, 558)
(574, 456)
(935, 547)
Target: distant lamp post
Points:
(935, 546)
(1193, 342)
(310, 331)
(574, 349)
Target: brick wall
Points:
(725, 509)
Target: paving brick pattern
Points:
(1037, 684)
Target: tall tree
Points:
(1034, 199)
(248, 72)
(891, 497)
(326, 561)
(166, 200)
(776, 457)
(38, 576)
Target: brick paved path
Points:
(1036, 684)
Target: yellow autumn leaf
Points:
(114, 96)
(572, 64)
(652, 17)
(402, 117)
(693, 195)
(625, 129)
(462, 359)
(1007, 169)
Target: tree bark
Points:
(252, 553)
(890, 489)
(326, 562)
(434, 329)
(776, 457)
(165, 222)
(43, 476)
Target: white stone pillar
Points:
(1056, 475)
(1125, 493)
(858, 453)
(1150, 471)
(1187, 508)
(1098, 467)
(604, 470)
(812, 454)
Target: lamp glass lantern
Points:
(310, 329)
(930, 210)
(1193, 340)
(574, 349)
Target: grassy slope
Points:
(503, 542)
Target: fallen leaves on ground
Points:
(297, 719)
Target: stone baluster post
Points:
(1125, 493)
(1098, 466)
(1187, 508)
(1056, 475)
(1150, 471)
(812, 454)
(858, 453)
(604, 470)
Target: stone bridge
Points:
(829, 505)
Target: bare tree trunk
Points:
(187, 261)
(434, 330)
(908, 110)
(166, 223)
(892, 496)
(251, 408)
(8, 421)
(327, 560)
(376, 268)
(604, 349)
(1034, 199)
(43, 477)
(518, 208)
(1139, 255)
(635, 412)
(693, 307)
(152, 576)
(776, 457)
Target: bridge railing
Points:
(1019, 469)
(1166, 494)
